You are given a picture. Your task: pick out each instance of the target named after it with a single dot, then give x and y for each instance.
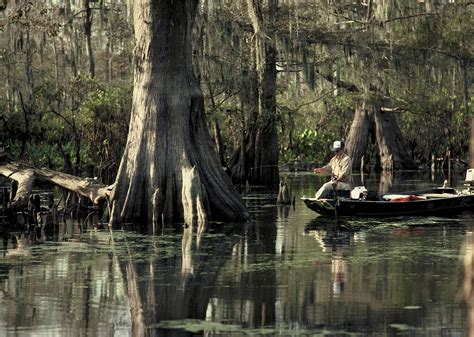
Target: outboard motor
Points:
(359, 193)
(470, 176)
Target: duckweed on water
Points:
(211, 328)
(196, 326)
(401, 327)
(287, 272)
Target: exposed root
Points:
(157, 204)
(194, 202)
(115, 217)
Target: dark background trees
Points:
(55, 108)
(410, 60)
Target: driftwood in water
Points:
(26, 176)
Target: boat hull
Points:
(350, 207)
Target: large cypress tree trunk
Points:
(391, 149)
(169, 169)
(357, 141)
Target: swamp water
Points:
(287, 272)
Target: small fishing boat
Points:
(359, 202)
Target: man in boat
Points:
(340, 166)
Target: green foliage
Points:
(457, 35)
(93, 127)
(445, 126)
(104, 119)
(316, 125)
(51, 113)
(309, 146)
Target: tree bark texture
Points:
(466, 81)
(264, 171)
(243, 156)
(391, 145)
(358, 138)
(219, 141)
(168, 135)
(371, 121)
(241, 161)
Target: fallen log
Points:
(26, 175)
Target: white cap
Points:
(337, 145)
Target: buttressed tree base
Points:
(169, 169)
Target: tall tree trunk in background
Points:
(239, 163)
(56, 64)
(471, 145)
(169, 169)
(264, 170)
(10, 83)
(29, 53)
(465, 71)
(391, 148)
(218, 141)
(110, 61)
(88, 33)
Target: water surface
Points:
(287, 272)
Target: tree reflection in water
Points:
(57, 288)
(177, 287)
(467, 251)
(288, 272)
